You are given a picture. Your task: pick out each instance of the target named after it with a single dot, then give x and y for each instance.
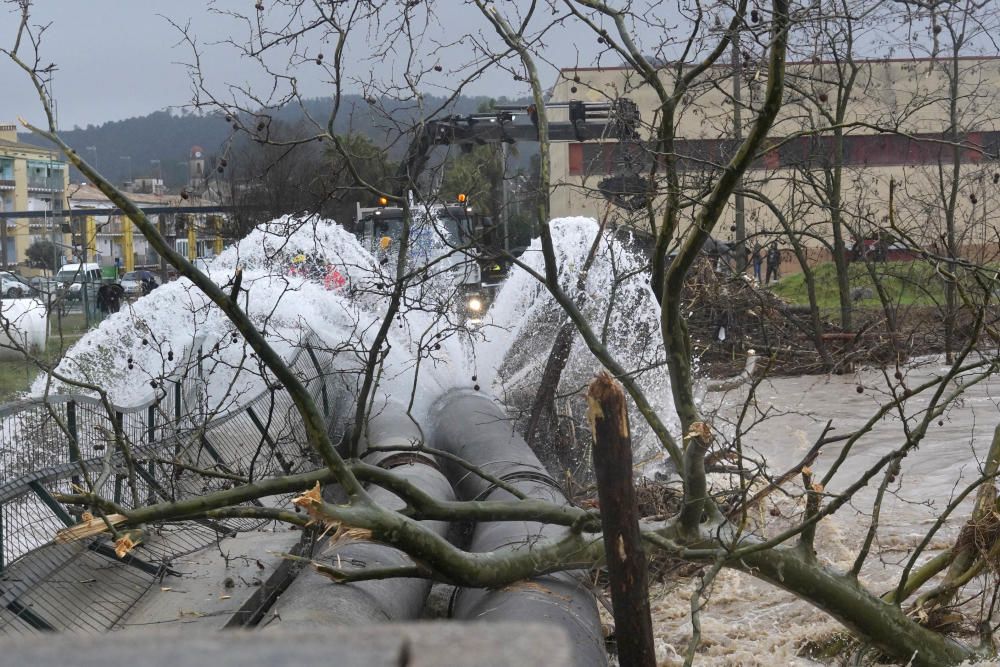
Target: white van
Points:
(74, 276)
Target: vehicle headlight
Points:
(474, 304)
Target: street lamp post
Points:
(93, 151)
(129, 159)
(3, 235)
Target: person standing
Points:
(758, 261)
(104, 298)
(773, 263)
(148, 284)
(115, 297)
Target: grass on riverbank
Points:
(907, 283)
(16, 375)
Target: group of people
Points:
(111, 294)
(769, 258)
(317, 268)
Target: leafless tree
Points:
(716, 525)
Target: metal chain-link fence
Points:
(175, 448)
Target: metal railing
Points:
(169, 448)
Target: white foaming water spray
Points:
(286, 266)
(616, 301)
(23, 326)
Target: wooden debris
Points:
(88, 528)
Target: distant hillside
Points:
(133, 146)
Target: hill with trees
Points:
(158, 144)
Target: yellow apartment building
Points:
(31, 179)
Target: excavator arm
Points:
(617, 120)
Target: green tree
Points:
(478, 175)
(372, 167)
(42, 254)
(267, 180)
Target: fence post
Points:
(177, 417)
(322, 379)
(177, 401)
(150, 439)
(151, 424)
(74, 440)
(119, 478)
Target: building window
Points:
(866, 150)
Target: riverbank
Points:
(730, 315)
(16, 375)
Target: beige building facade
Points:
(112, 239)
(895, 126)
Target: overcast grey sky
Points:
(121, 58)
(114, 59)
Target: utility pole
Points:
(3, 235)
(163, 262)
(740, 219)
(504, 208)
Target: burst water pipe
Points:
(313, 600)
(473, 426)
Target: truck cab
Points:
(451, 233)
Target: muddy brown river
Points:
(748, 622)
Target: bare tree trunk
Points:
(843, 277)
(542, 412)
(626, 560)
(559, 354)
(815, 331)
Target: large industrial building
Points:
(895, 128)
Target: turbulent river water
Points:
(748, 622)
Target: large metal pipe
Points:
(312, 600)
(475, 428)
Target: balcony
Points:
(6, 183)
(43, 185)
